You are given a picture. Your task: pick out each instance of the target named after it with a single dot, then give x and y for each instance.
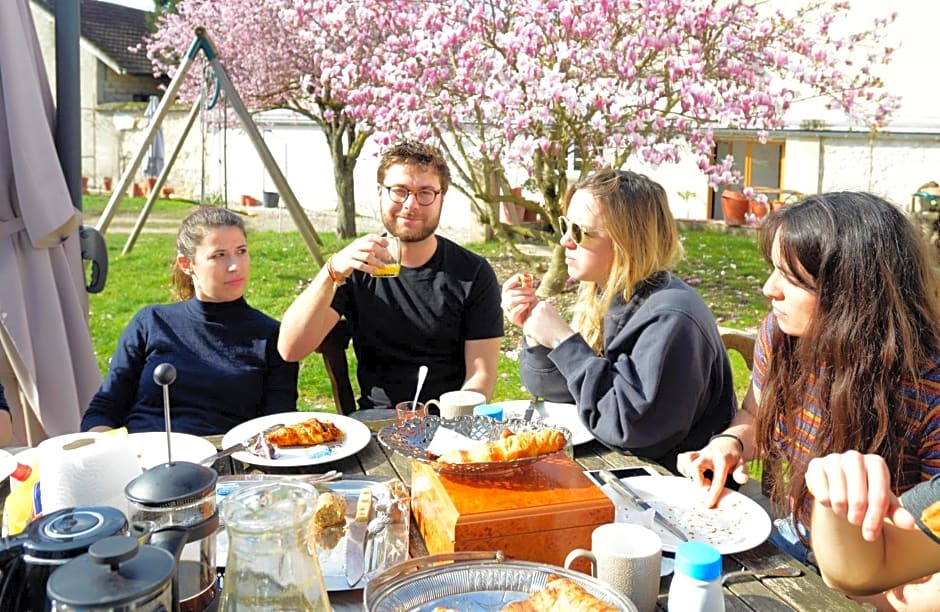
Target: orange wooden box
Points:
(539, 513)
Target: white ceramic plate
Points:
(151, 448)
(737, 524)
(356, 437)
(551, 413)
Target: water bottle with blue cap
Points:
(696, 585)
(494, 411)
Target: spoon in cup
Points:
(422, 374)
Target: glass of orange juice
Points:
(392, 265)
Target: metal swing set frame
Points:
(204, 44)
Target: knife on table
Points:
(243, 445)
(528, 411)
(624, 489)
(356, 538)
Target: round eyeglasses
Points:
(424, 197)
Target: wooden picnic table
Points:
(805, 592)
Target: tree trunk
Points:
(556, 277)
(345, 201)
(343, 182)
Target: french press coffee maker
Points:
(118, 574)
(180, 494)
(28, 559)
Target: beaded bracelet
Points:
(729, 435)
(334, 275)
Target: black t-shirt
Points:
(421, 317)
(3, 401)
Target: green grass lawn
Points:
(726, 269)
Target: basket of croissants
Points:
(475, 444)
(488, 581)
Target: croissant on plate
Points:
(510, 446)
(560, 594)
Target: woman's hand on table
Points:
(710, 467)
(857, 487)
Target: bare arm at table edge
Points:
(481, 358)
(308, 319)
(723, 455)
(856, 567)
(853, 565)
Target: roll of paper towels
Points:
(87, 470)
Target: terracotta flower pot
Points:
(757, 208)
(107, 183)
(733, 207)
(85, 185)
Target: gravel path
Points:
(273, 219)
(279, 219)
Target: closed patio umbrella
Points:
(154, 163)
(44, 333)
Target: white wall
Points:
(301, 152)
(892, 169)
(801, 164)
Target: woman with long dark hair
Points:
(847, 359)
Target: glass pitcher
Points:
(270, 566)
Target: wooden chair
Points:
(740, 341)
(743, 342)
(333, 351)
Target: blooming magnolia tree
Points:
(319, 58)
(527, 83)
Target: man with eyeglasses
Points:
(442, 310)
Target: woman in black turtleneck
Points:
(224, 351)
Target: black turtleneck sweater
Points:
(228, 370)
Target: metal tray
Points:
(383, 549)
(479, 581)
(412, 438)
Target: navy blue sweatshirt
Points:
(228, 370)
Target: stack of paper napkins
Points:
(447, 440)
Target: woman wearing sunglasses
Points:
(642, 358)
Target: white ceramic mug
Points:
(627, 558)
(457, 403)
